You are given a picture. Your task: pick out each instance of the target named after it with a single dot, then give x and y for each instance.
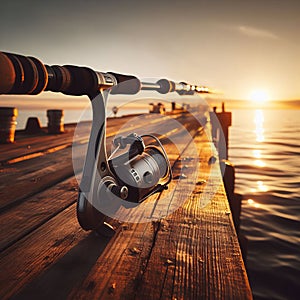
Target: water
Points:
(264, 146)
(70, 115)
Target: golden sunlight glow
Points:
(257, 153)
(259, 96)
(261, 187)
(253, 203)
(259, 125)
(259, 163)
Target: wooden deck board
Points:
(126, 261)
(35, 211)
(26, 259)
(46, 170)
(28, 210)
(193, 253)
(27, 144)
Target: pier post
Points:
(214, 123)
(225, 121)
(55, 121)
(173, 106)
(8, 116)
(220, 122)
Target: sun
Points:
(259, 96)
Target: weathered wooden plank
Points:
(131, 259)
(28, 215)
(31, 256)
(37, 145)
(30, 176)
(33, 242)
(28, 145)
(191, 254)
(129, 264)
(21, 220)
(46, 200)
(198, 257)
(36, 210)
(35, 175)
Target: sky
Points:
(235, 47)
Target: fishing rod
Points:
(28, 75)
(136, 169)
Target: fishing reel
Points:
(137, 168)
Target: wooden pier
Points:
(193, 253)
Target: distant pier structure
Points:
(157, 108)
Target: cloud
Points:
(256, 32)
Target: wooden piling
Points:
(8, 116)
(55, 121)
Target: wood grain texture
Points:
(27, 144)
(190, 252)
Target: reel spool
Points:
(143, 170)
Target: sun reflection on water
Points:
(259, 163)
(259, 125)
(259, 132)
(253, 203)
(257, 153)
(260, 187)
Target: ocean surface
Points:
(70, 115)
(264, 147)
